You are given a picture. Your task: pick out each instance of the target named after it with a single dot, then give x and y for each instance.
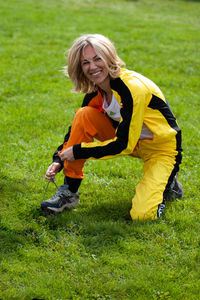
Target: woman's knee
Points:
(143, 214)
(86, 112)
(83, 117)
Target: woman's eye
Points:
(85, 62)
(97, 58)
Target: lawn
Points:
(94, 251)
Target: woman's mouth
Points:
(95, 73)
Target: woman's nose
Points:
(92, 65)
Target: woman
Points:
(129, 115)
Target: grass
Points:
(94, 251)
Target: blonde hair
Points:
(104, 48)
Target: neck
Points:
(109, 97)
(105, 86)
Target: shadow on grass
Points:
(98, 226)
(101, 226)
(97, 231)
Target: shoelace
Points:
(62, 191)
(52, 180)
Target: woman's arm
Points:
(94, 99)
(133, 96)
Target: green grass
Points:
(94, 251)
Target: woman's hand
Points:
(67, 154)
(52, 171)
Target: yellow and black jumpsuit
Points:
(142, 104)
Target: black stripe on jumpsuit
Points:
(122, 133)
(159, 104)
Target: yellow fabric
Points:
(159, 160)
(157, 168)
(141, 89)
(160, 154)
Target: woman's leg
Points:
(88, 123)
(148, 202)
(161, 165)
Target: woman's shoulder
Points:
(131, 80)
(138, 82)
(131, 76)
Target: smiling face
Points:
(94, 67)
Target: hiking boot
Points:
(63, 199)
(175, 191)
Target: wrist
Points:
(59, 165)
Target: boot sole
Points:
(67, 206)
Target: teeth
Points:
(94, 74)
